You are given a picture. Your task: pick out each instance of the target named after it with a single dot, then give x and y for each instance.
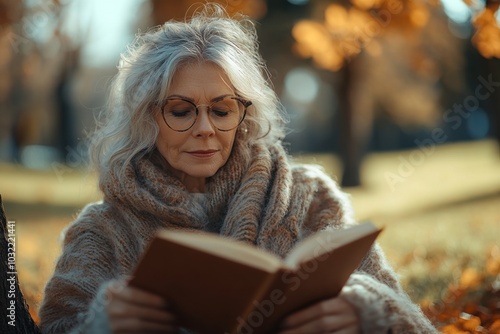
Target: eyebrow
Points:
(192, 100)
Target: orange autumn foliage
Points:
(345, 29)
(487, 36)
(471, 305)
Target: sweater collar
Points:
(244, 197)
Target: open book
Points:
(218, 285)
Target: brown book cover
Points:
(218, 285)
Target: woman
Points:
(191, 140)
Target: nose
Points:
(203, 126)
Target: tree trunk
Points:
(17, 318)
(348, 147)
(494, 71)
(356, 114)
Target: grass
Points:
(439, 219)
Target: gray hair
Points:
(128, 128)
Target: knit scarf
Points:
(249, 201)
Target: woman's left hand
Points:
(333, 315)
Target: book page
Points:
(208, 291)
(325, 241)
(225, 248)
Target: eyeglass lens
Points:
(226, 114)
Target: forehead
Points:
(200, 80)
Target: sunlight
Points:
(302, 85)
(103, 27)
(458, 11)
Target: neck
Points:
(193, 184)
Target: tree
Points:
(166, 10)
(344, 36)
(487, 41)
(35, 71)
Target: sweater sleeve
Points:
(381, 303)
(74, 296)
(374, 289)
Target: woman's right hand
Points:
(132, 310)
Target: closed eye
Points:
(180, 113)
(220, 113)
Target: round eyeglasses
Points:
(225, 113)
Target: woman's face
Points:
(199, 152)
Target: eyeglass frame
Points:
(246, 103)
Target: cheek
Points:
(162, 146)
(229, 142)
(168, 143)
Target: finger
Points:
(325, 324)
(119, 309)
(136, 296)
(318, 310)
(135, 325)
(349, 330)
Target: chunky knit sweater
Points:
(265, 201)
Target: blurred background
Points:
(398, 100)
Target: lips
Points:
(202, 153)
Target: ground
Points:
(439, 206)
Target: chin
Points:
(205, 170)
(202, 173)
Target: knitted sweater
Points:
(263, 201)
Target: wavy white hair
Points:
(128, 129)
